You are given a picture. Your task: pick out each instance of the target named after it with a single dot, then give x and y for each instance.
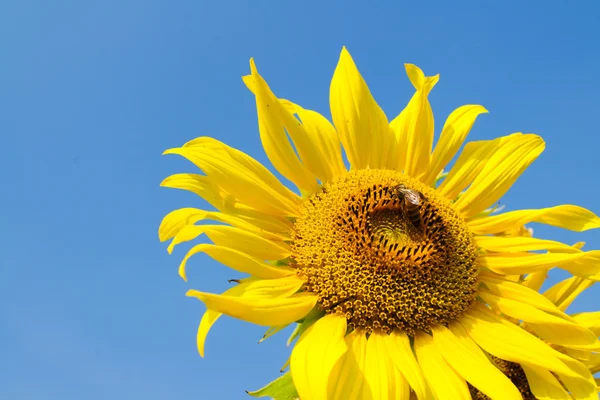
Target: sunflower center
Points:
(385, 251)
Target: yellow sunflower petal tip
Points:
(418, 79)
(345, 56)
(181, 271)
(249, 82)
(165, 183)
(483, 110)
(194, 293)
(253, 69)
(171, 247)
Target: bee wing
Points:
(413, 197)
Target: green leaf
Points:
(281, 388)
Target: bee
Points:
(411, 205)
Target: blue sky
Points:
(92, 92)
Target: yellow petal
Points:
(543, 384)
(580, 383)
(315, 355)
(535, 280)
(239, 174)
(519, 244)
(593, 363)
(453, 135)
(211, 316)
(414, 126)
(208, 320)
(480, 373)
(173, 222)
(549, 327)
(499, 173)
(236, 260)
(252, 288)
(360, 122)
(461, 334)
(327, 162)
(469, 164)
(260, 311)
(379, 372)
(209, 190)
(275, 123)
(522, 294)
(228, 236)
(443, 381)
(590, 320)
(510, 342)
(399, 389)
(584, 264)
(203, 186)
(348, 376)
(271, 288)
(564, 292)
(569, 217)
(398, 345)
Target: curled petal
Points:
(584, 264)
(238, 173)
(210, 316)
(176, 220)
(275, 123)
(519, 244)
(260, 311)
(207, 188)
(568, 216)
(414, 126)
(236, 260)
(229, 236)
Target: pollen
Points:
(383, 261)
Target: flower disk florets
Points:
(381, 261)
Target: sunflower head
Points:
(403, 280)
(384, 263)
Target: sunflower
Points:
(542, 385)
(403, 280)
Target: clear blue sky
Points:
(92, 92)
